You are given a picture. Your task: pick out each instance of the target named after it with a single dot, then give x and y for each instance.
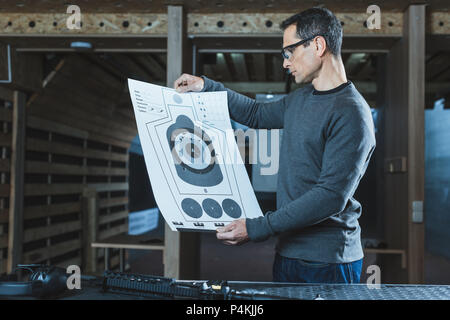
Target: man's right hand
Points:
(188, 82)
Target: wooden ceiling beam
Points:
(149, 24)
(207, 6)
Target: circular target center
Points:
(193, 151)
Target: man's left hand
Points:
(234, 233)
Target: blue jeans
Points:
(302, 271)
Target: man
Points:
(327, 143)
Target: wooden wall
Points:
(78, 130)
(5, 164)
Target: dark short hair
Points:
(317, 21)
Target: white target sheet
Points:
(196, 172)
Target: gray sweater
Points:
(327, 144)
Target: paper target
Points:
(197, 182)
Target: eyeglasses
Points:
(288, 51)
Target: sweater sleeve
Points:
(247, 111)
(348, 147)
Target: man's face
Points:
(304, 62)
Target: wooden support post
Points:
(89, 202)
(15, 233)
(405, 131)
(414, 29)
(182, 253)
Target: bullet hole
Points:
(55, 23)
(149, 24)
(268, 23)
(101, 24)
(32, 24)
(9, 23)
(244, 24)
(125, 24)
(390, 23)
(220, 24)
(342, 23)
(196, 24)
(441, 23)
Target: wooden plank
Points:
(115, 141)
(112, 231)
(90, 228)
(4, 216)
(73, 261)
(83, 94)
(415, 25)
(51, 230)
(181, 254)
(113, 217)
(79, 103)
(56, 168)
(112, 23)
(126, 241)
(51, 251)
(5, 139)
(128, 246)
(256, 23)
(5, 114)
(3, 240)
(102, 187)
(109, 202)
(62, 148)
(16, 197)
(404, 127)
(91, 128)
(48, 125)
(197, 23)
(5, 165)
(50, 210)
(51, 108)
(5, 190)
(102, 79)
(39, 189)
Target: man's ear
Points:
(321, 45)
